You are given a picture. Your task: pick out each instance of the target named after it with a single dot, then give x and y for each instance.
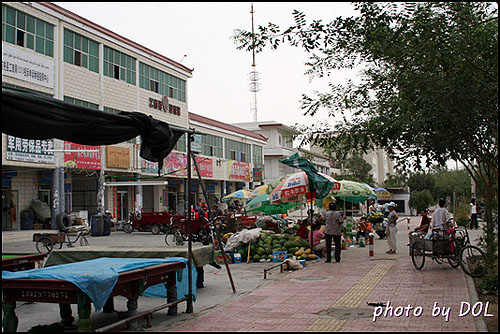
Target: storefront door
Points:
(122, 212)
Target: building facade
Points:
(280, 146)
(50, 50)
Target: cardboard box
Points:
(279, 256)
(237, 258)
(220, 258)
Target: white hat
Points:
(392, 204)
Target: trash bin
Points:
(27, 219)
(97, 225)
(107, 225)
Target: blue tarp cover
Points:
(97, 277)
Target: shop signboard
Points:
(258, 174)
(239, 170)
(27, 66)
(175, 164)
(148, 166)
(206, 167)
(88, 158)
(117, 157)
(196, 144)
(30, 150)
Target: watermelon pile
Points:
(262, 249)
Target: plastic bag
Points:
(241, 238)
(293, 263)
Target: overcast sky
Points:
(199, 36)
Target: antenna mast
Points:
(254, 75)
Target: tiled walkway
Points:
(334, 297)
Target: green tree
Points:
(429, 89)
(421, 199)
(420, 181)
(355, 168)
(452, 182)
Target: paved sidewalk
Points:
(334, 297)
(321, 297)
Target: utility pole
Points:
(254, 75)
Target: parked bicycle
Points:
(454, 246)
(45, 242)
(176, 233)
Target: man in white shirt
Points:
(440, 217)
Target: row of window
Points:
(27, 31)
(30, 32)
(212, 146)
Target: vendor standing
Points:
(334, 221)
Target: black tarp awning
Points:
(31, 115)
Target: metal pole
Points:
(216, 228)
(188, 221)
(54, 201)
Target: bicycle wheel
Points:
(179, 238)
(83, 241)
(128, 228)
(473, 261)
(44, 244)
(418, 254)
(170, 238)
(453, 262)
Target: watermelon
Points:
(260, 251)
(256, 258)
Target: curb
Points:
(480, 323)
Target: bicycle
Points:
(45, 242)
(205, 235)
(453, 245)
(173, 235)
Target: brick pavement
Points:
(300, 304)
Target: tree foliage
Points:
(355, 168)
(430, 78)
(428, 90)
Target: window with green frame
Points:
(119, 65)
(81, 103)
(211, 146)
(81, 51)
(181, 144)
(27, 31)
(238, 151)
(257, 155)
(162, 83)
(135, 140)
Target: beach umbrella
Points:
(382, 193)
(261, 204)
(353, 192)
(335, 183)
(242, 194)
(292, 189)
(259, 191)
(296, 188)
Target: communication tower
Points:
(254, 76)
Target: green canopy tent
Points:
(261, 204)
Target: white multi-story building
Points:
(280, 146)
(50, 50)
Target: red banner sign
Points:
(206, 167)
(89, 157)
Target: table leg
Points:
(84, 310)
(171, 287)
(10, 320)
(109, 307)
(67, 318)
